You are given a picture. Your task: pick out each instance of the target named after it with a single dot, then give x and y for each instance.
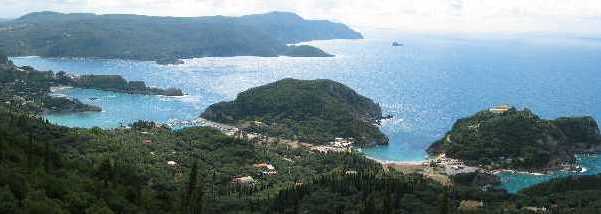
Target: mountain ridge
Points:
(139, 37)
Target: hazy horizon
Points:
(464, 16)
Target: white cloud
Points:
(409, 15)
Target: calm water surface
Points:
(426, 84)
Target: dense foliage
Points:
(52, 169)
(315, 111)
(384, 193)
(157, 38)
(565, 195)
(519, 139)
(55, 169)
(3, 58)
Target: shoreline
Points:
(495, 172)
(396, 162)
(420, 167)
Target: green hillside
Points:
(519, 139)
(316, 111)
(51, 34)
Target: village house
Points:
(452, 166)
(269, 173)
(246, 180)
(535, 209)
(264, 166)
(500, 109)
(328, 149)
(269, 170)
(470, 205)
(350, 172)
(342, 142)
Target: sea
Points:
(426, 84)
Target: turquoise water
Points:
(122, 109)
(426, 85)
(514, 182)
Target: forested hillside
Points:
(147, 168)
(519, 139)
(137, 37)
(150, 168)
(315, 111)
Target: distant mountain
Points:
(291, 28)
(138, 37)
(315, 111)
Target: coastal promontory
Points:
(166, 40)
(314, 111)
(509, 138)
(27, 89)
(115, 83)
(305, 51)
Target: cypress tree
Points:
(444, 202)
(191, 186)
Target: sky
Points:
(570, 16)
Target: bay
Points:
(426, 85)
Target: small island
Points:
(397, 44)
(507, 138)
(313, 111)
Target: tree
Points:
(62, 77)
(8, 201)
(38, 203)
(99, 208)
(444, 202)
(3, 58)
(105, 171)
(191, 187)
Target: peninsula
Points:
(115, 83)
(314, 111)
(166, 39)
(507, 138)
(29, 89)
